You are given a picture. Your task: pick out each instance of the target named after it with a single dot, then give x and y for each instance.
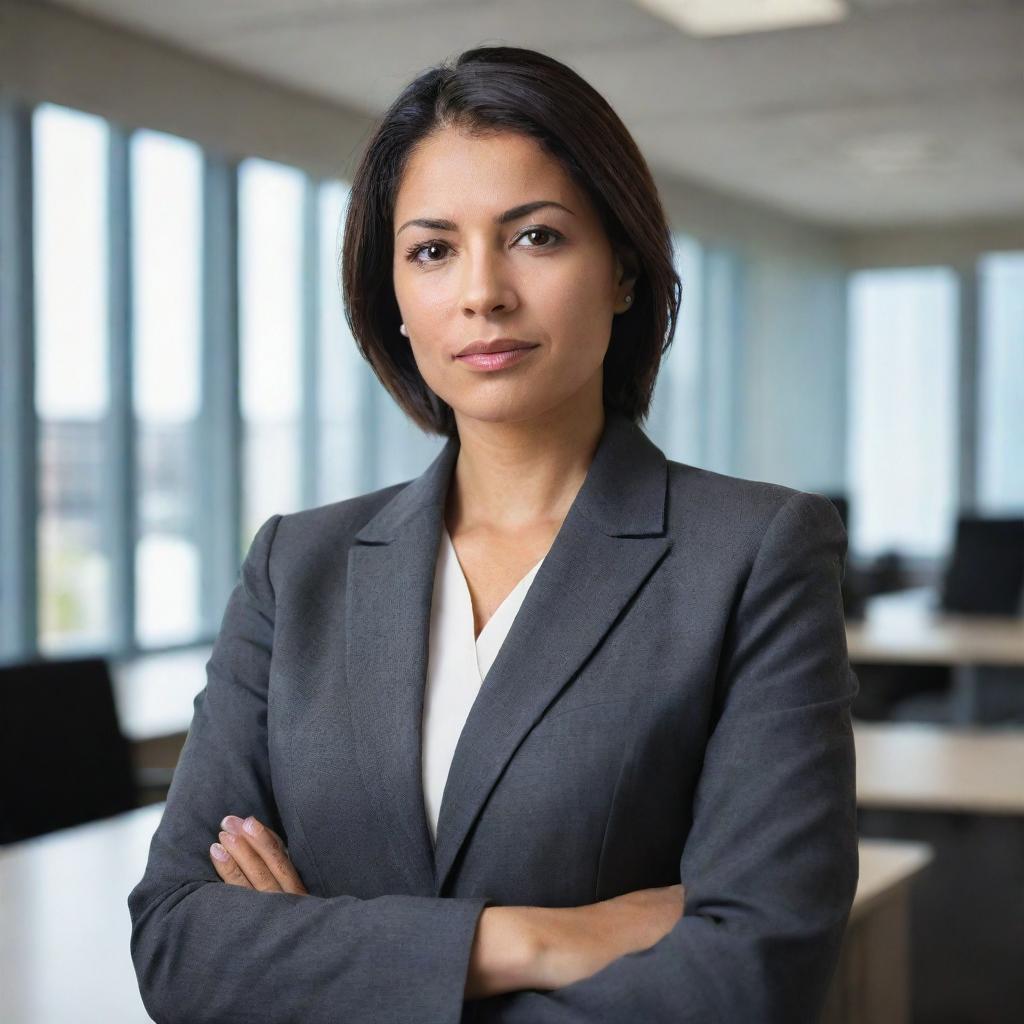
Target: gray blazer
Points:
(672, 703)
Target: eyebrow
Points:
(503, 218)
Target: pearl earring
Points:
(402, 330)
(629, 298)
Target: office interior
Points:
(845, 185)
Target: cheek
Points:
(579, 315)
(423, 296)
(426, 311)
(581, 289)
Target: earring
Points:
(402, 330)
(629, 298)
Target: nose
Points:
(486, 287)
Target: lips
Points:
(485, 362)
(495, 345)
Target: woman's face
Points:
(546, 275)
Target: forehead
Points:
(452, 169)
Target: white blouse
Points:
(457, 664)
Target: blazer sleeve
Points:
(207, 951)
(770, 866)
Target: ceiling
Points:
(908, 112)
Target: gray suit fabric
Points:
(672, 703)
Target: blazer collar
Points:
(610, 541)
(623, 493)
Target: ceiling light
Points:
(729, 17)
(894, 152)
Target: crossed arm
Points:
(769, 867)
(514, 948)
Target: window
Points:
(166, 219)
(270, 201)
(902, 430)
(343, 373)
(137, 378)
(1001, 380)
(676, 413)
(724, 295)
(70, 218)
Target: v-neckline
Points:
(523, 583)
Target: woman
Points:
(558, 731)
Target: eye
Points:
(540, 231)
(413, 251)
(412, 254)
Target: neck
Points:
(513, 476)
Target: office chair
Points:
(884, 690)
(985, 575)
(63, 758)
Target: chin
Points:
(497, 411)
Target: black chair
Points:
(985, 575)
(63, 757)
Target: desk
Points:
(64, 925)
(872, 982)
(905, 627)
(154, 692)
(922, 767)
(154, 695)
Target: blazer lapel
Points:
(387, 608)
(611, 540)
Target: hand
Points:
(252, 855)
(580, 941)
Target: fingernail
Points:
(228, 837)
(219, 852)
(231, 823)
(250, 825)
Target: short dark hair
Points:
(491, 89)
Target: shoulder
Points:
(718, 511)
(321, 536)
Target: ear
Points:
(627, 270)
